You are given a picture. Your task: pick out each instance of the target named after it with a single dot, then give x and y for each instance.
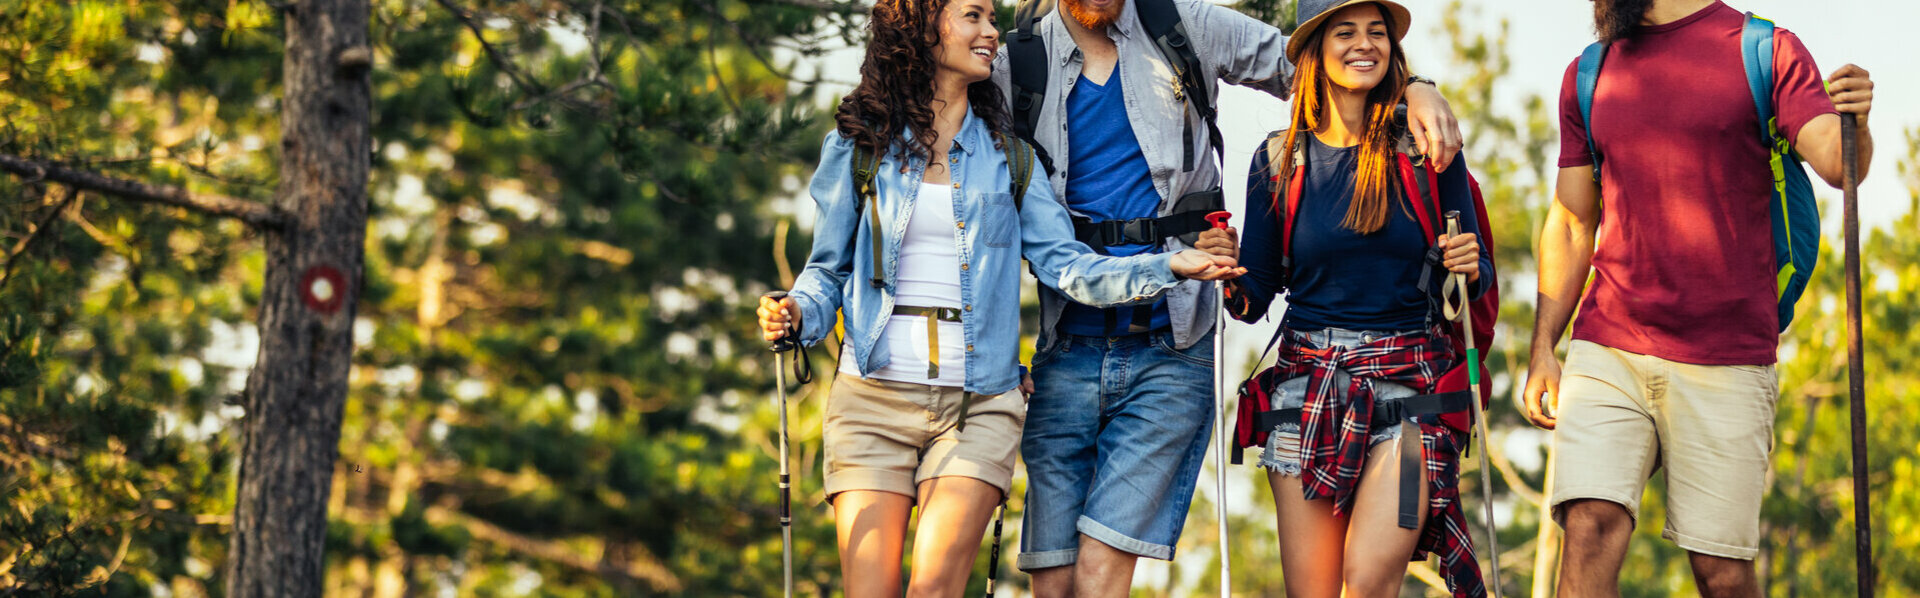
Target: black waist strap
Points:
(1137, 231)
(1386, 414)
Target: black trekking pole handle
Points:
(802, 368)
(785, 342)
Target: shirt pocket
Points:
(1002, 220)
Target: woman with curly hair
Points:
(918, 244)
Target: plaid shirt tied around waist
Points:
(1335, 428)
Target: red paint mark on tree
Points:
(322, 288)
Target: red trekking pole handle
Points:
(1219, 219)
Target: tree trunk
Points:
(298, 385)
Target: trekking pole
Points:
(1856, 368)
(780, 346)
(993, 558)
(1479, 413)
(1219, 220)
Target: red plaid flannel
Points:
(1335, 429)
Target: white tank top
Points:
(928, 276)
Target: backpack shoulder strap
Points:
(1756, 53)
(1019, 166)
(866, 166)
(1027, 72)
(1162, 22)
(1585, 80)
(1289, 205)
(1416, 178)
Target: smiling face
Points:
(968, 40)
(1356, 47)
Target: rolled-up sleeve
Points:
(1063, 263)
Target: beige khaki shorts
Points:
(1708, 427)
(890, 436)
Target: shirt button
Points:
(963, 266)
(961, 224)
(956, 184)
(969, 348)
(968, 308)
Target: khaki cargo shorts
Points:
(1708, 427)
(890, 436)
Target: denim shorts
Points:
(1282, 454)
(1116, 430)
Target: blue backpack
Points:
(1796, 217)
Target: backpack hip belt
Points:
(1187, 222)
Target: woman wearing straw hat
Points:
(1359, 340)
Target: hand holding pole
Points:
(1461, 294)
(1219, 221)
(780, 346)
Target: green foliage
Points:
(553, 388)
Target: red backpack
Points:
(1417, 176)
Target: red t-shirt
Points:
(1684, 269)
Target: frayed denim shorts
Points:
(1282, 454)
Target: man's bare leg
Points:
(1102, 571)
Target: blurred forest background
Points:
(554, 386)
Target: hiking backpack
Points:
(866, 165)
(1795, 214)
(1027, 69)
(1416, 178)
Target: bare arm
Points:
(1566, 255)
(1819, 141)
(1430, 118)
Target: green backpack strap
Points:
(1019, 166)
(866, 165)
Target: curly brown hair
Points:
(896, 83)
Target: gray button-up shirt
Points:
(1236, 48)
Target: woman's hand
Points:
(1462, 254)
(778, 319)
(1200, 265)
(1219, 241)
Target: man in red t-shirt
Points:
(1671, 363)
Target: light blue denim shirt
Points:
(992, 240)
(1232, 48)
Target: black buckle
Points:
(1139, 231)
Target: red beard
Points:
(1094, 19)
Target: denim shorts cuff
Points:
(1286, 468)
(1119, 541)
(1692, 544)
(1029, 561)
